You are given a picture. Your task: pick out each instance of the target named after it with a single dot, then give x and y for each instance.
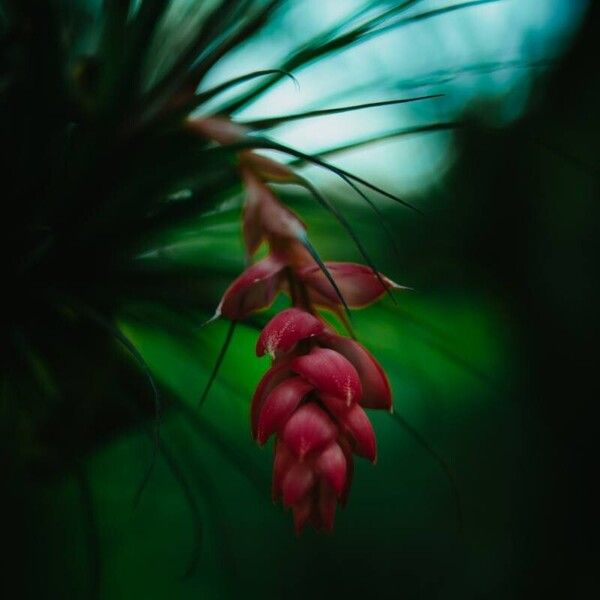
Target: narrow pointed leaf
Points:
(218, 362)
(274, 121)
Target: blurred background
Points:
(490, 357)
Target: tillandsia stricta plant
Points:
(313, 395)
(113, 138)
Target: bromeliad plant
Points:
(312, 397)
(112, 139)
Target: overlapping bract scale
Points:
(375, 386)
(285, 330)
(330, 372)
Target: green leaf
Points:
(269, 122)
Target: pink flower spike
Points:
(358, 284)
(279, 405)
(285, 330)
(254, 289)
(375, 385)
(331, 465)
(330, 372)
(309, 428)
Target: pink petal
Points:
(273, 377)
(330, 372)
(279, 405)
(375, 385)
(287, 328)
(218, 129)
(254, 289)
(331, 465)
(297, 483)
(358, 284)
(309, 428)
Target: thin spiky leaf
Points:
(313, 252)
(349, 230)
(271, 145)
(274, 121)
(323, 44)
(201, 98)
(380, 137)
(251, 27)
(218, 362)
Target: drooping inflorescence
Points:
(313, 397)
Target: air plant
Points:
(312, 396)
(111, 141)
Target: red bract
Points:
(358, 284)
(375, 386)
(313, 397)
(311, 401)
(254, 289)
(279, 406)
(286, 329)
(330, 372)
(258, 285)
(265, 217)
